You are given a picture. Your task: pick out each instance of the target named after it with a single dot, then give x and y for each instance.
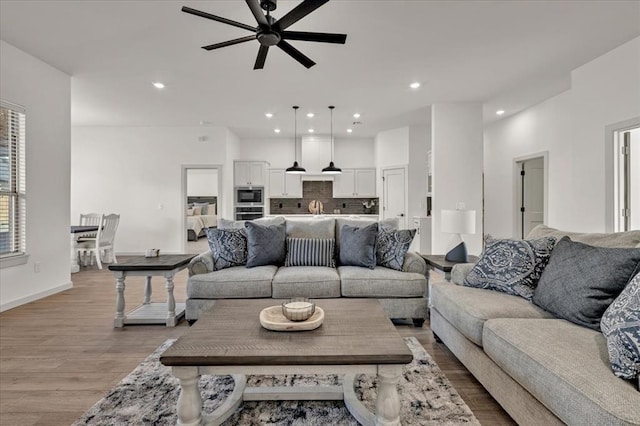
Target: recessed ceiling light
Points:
(414, 85)
(356, 115)
(310, 115)
(276, 130)
(158, 85)
(349, 130)
(500, 112)
(311, 130)
(268, 115)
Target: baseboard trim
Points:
(34, 297)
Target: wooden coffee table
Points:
(355, 337)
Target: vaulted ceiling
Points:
(505, 54)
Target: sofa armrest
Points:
(413, 262)
(201, 264)
(460, 271)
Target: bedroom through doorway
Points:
(201, 200)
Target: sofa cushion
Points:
(358, 245)
(236, 282)
(566, 367)
(581, 281)
(621, 326)
(627, 239)
(360, 222)
(266, 244)
(468, 308)
(228, 247)
(316, 228)
(306, 281)
(380, 282)
(511, 266)
(392, 246)
(310, 252)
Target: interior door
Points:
(531, 194)
(393, 195)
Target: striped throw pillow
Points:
(310, 252)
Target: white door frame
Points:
(406, 191)
(611, 168)
(183, 194)
(516, 179)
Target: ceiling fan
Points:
(272, 32)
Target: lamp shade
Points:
(458, 221)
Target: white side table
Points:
(167, 266)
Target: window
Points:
(12, 181)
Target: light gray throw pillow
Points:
(358, 245)
(266, 244)
(581, 281)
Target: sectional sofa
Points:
(541, 369)
(403, 294)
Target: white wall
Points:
(202, 182)
(456, 140)
(45, 92)
(136, 172)
(419, 145)
(571, 126)
(392, 148)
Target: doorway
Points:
(627, 182)
(201, 189)
(394, 199)
(531, 193)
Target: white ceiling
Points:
(505, 54)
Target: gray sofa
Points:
(542, 370)
(403, 294)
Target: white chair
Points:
(87, 242)
(103, 243)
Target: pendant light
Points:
(295, 169)
(331, 169)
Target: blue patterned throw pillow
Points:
(511, 266)
(620, 324)
(392, 246)
(228, 247)
(310, 252)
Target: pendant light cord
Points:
(331, 109)
(295, 133)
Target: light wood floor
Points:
(61, 354)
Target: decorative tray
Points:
(272, 318)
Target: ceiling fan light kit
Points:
(331, 169)
(296, 169)
(272, 32)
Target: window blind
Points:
(12, 180)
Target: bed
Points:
(201, 214)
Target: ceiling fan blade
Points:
(254, 5)
(229, 42)
(295, 54)
(319, 37)
(217, 18)
(299, 12)
(262, 56)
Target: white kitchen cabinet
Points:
(422, 240)
(284, 185)
(249, 173)
(355, 183)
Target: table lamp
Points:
(458, 222)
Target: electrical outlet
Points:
(36, 267)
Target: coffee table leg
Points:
(388, 401)
(147, 291)
(190, 401)
(171, 302)
(119, 319)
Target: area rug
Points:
(148, 395)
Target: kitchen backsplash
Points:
(323, 192)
